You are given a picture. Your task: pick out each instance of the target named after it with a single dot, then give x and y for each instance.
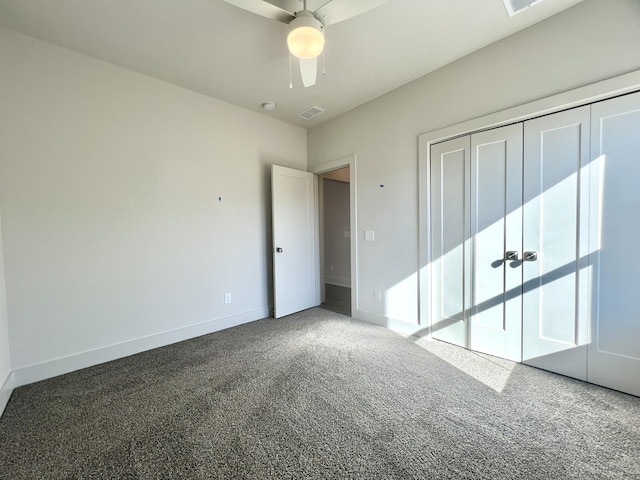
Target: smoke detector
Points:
(270, 106)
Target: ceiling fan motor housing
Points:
(306, 35)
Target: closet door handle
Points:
(511, 255)
(530, 256)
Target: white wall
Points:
(592, 41)
(112, 227)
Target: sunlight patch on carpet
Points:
(492, 371)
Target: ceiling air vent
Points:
(517, 6)
(310, 113)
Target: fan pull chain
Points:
(324, 70)
(290, 77)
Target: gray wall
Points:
(595, 40)
(337, 263)
(114, 238)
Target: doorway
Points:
(335, 240)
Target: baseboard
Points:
(340, 282)
(401, 327)
(70, 363)
(5, 392)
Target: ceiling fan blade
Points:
(327, 11)
(337, 11)
(280, 10)
(309, 71)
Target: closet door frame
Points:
(603, 90)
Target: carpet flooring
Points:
(317, 395)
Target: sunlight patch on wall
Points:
(400, 299)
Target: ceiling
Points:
(224, 52)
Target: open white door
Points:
(295, 241)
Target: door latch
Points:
(511, 255)
(530, 256)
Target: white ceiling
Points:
(222, 51)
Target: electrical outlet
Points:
(227, 298)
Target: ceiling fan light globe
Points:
(305, 42)
(306, 38)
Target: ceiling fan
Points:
(306, 20)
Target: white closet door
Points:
(496, 228)
(555, 242)
(614, 351)
(450, 277)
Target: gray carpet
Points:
(317, 395)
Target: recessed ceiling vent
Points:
(310, 113)
(517, 6)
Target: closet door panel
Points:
(614, 351)
(555, 221)
(496, 228)
(450, 240)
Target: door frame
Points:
(603, 90)
(347, 161)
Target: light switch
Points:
(369, 235)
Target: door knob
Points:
(530, 256)
(278, 249)
(511, 255)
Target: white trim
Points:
(77, 361)
(5, 392)
(595, 92)
(401, 327)
(316, 246)
(348, 161)
(612, 87)
(320, 250)
(424, 227)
